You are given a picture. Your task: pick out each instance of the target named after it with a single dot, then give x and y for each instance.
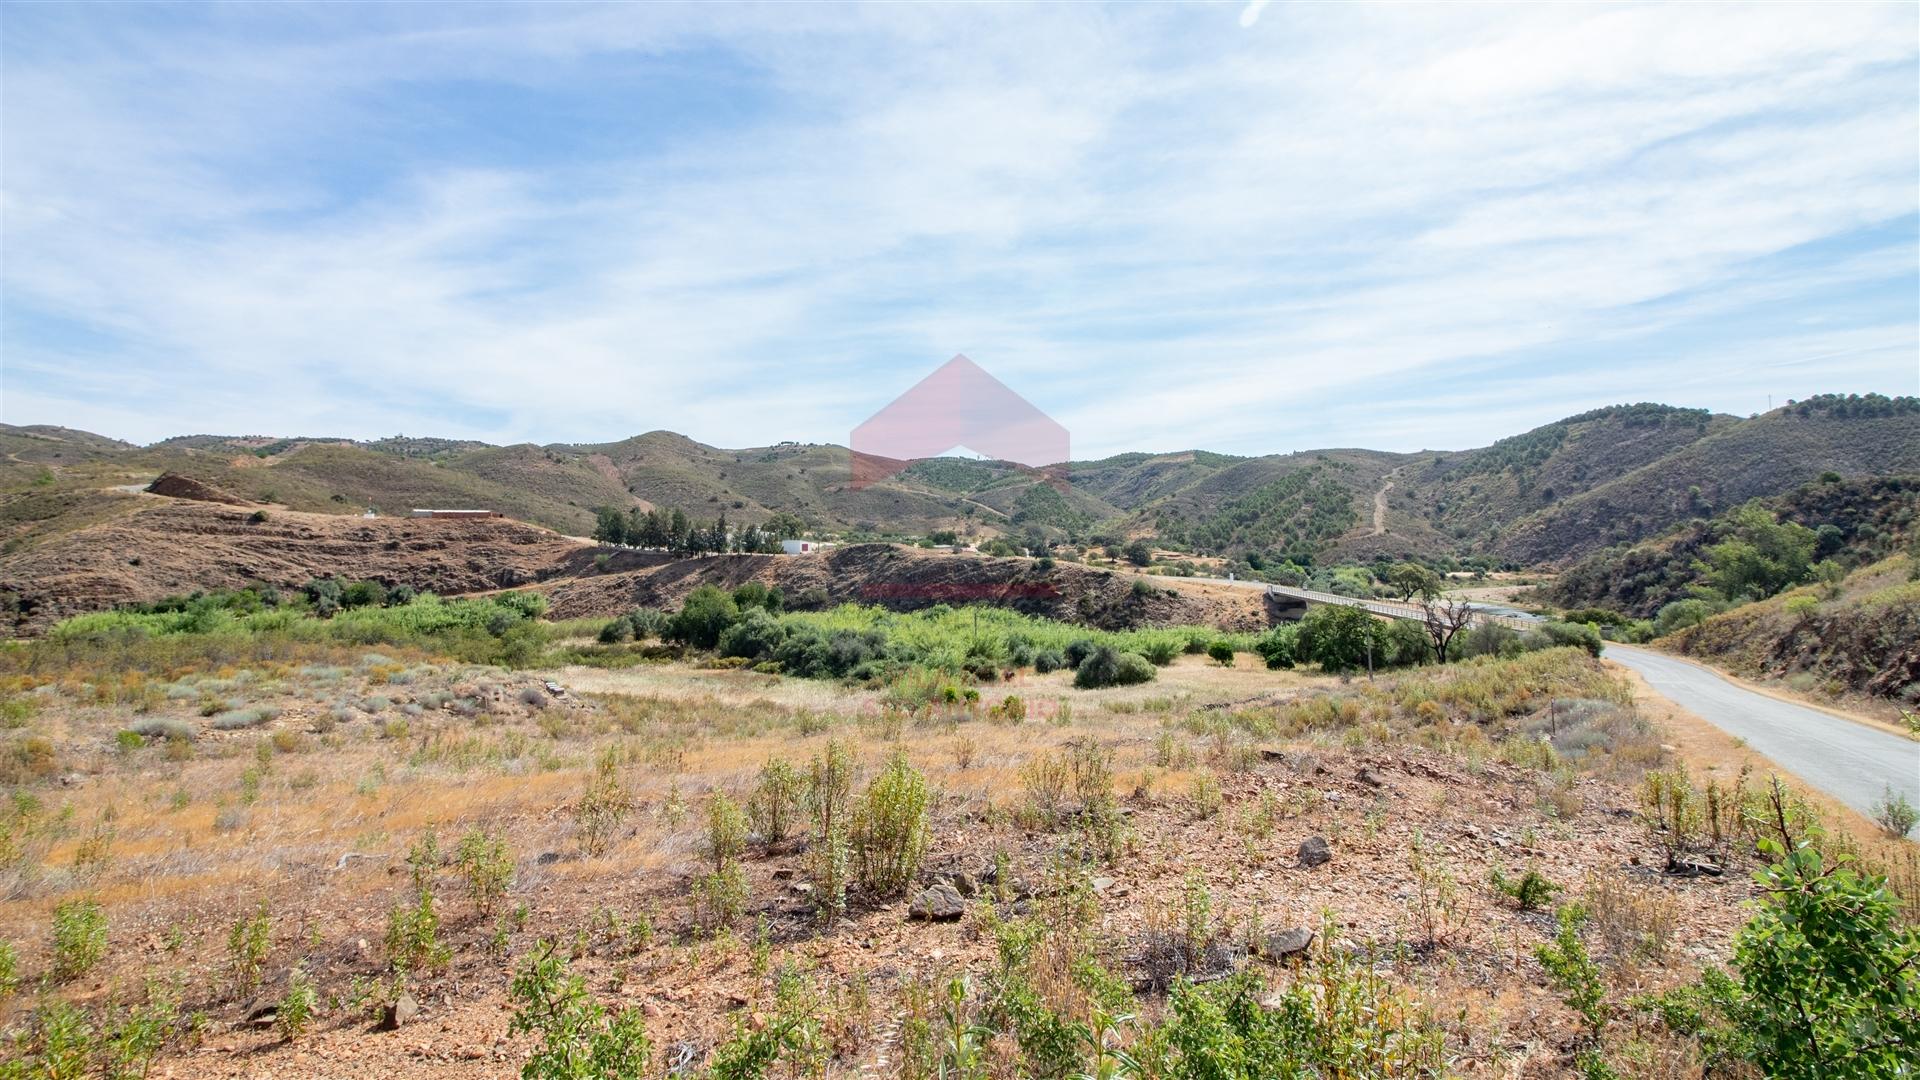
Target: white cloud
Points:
(1163, 227)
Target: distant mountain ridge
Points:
(1550, 495)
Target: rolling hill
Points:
(1552, 495)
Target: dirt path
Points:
(1380, 504)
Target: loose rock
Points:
(940, 903)
(398, 1012)
(1287, 942)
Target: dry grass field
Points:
(256, 859)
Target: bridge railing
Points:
(1389, 609)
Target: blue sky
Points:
(1169, 226)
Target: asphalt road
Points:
(1851, 762)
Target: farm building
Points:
(802, 547)
(419, 513)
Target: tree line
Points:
(673, 530)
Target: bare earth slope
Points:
(907, 579)
(177, 546)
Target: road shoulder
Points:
(1713, 754)
(1772, 691)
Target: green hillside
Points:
(1609, 477)
(1729, 464)
(1851, 522)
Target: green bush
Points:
(1574, 972)
(1341, 639)
(1161, 651)
(486, 866)
(726, 830)
(1684, 613)
(753, 594)
(1106, 666)
(79, 938)
(1829, 974)
(756, 635)
(248, 941)
(413, 935)
(1278, 646)
(297, 1006)
(1894, 814)
(1221, 652)
(579, 1039)
(830, 809)
(1077, 652)
(890, 828)
(774, 806)
(1530, 892)
(1574, 634)
(706, 614)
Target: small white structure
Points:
(800, 547)
(419, 513)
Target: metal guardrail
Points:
(1389, 609)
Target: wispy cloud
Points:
(1168, 226)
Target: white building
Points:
(800, 547)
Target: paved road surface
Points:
(1851, 762)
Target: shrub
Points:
(1530, 892)
(1077, 652)
(247, 943)
(890, 828)
(1829, 976)
(240, 719)
(9, 968)
(1341, 638)
(297, 1006)
(604, 807)
(1574, 634)
(1160, 651)
(1895, 815)
(156, 727)
(364, 594)
(753, 594)
(706, 614)
(79, 938)
(726, 830)
(1221, 652)
(1049, 660)
(1278, 646)
(486, 866)
(413, 934)
(720, 897)
(829, 804)
(756, 635)
(774, 806)
(1573, 971)
(1684, 613)
(647, 622)
(1106, 666)
(579, 1040)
